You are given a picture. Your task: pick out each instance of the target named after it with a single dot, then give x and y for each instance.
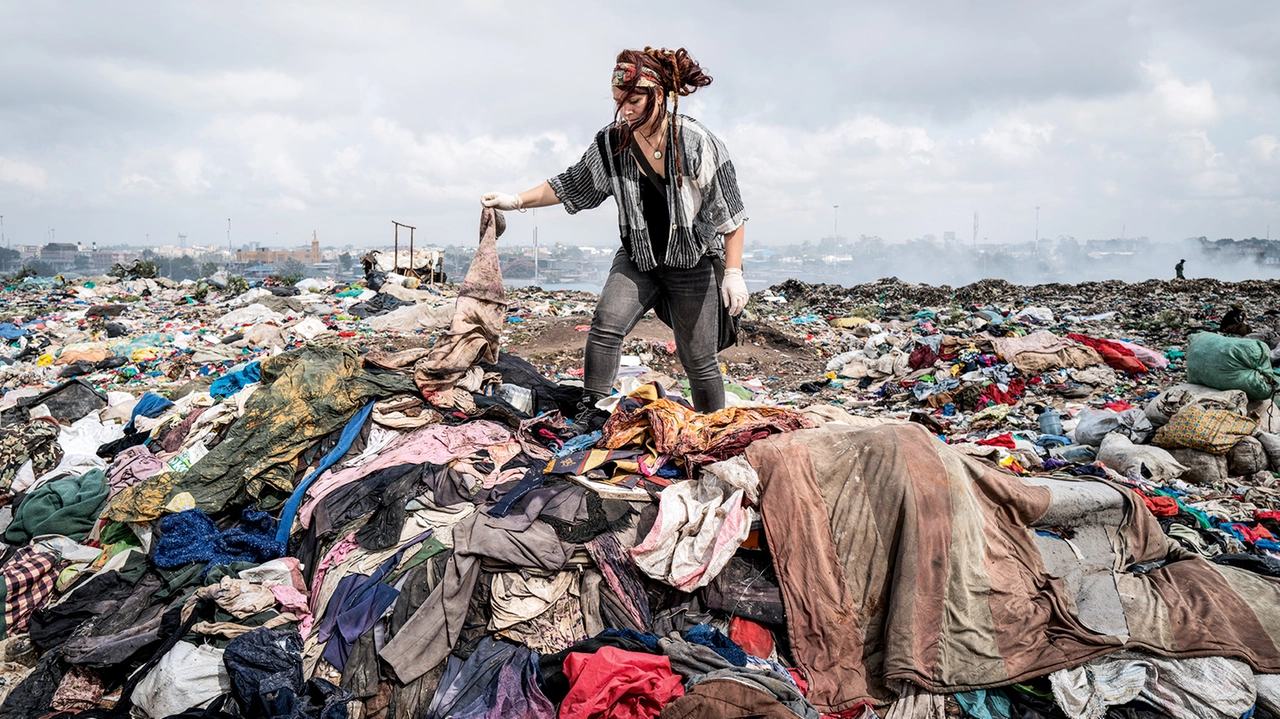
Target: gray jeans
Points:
(695, 315)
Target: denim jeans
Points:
(694, 300)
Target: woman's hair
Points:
(678, 75)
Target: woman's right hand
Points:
(501, 201)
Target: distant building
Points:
(102, 260)
(59, 255)
(272, 257)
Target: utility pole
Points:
(1037, 226)
(975, 230)
(6, 241)
(835, 223)
(230, 255)
(535, 246)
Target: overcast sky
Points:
(123, 119)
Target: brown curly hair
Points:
(680, 75)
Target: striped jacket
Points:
(707, 207)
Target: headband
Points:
(624, 73)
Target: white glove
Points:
(734, 291)
(503, 202)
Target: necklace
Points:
(657, 154)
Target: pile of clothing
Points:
(334, 533)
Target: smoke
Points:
(1064, 259)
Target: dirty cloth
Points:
(517, 598)
(1194, 688)
(1163, 406)
(941, 577)
(728, 699)
(131, 466)
(478, 318)
(617, 683)
(436, 444)
(429, 635)
(265, 668)
(699, 438)
(498, 680)
(305, 395)
(67, 506)
(191, 537)
(28, 578)
(187, 676)
(1214, 431)
(699, 526)
(343, 445)
(1044, 351)
(36, 441)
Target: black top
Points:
(653, 204)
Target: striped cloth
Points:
(707, 207)
(28, 579)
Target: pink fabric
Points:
(334, 557)
(1148, 357)
(436, 443)
(291, 600)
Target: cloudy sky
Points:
(122, 120)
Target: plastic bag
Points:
(1095, 424)
(1231, 363)
(1160, 408)
(1138, 460)
(1214, 431)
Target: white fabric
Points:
(250, 315)
(737, 473)
(188, 676)
(1195, 688)
(413, 318)
(517, 599)
(1120, 453)
(700, 525)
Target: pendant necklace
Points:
(657, 154)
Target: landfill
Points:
(370, 500)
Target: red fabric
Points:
(1267, 514)
(799, 680)
(1263, 533)
(1117, 406)
(1113, 353)
(754, 638)
(997, 396)
(1001, 440)
(850, 713)
(922, 356)
(1159, 505)
(618, 684)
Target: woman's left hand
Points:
(734, 291)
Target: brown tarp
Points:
(929, 569)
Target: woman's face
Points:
(632, 109)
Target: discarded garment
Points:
(36, 441)
(67, 506)
(305, 395)
(191, 537)
(617, 683)
(700, 525)
(476, 330)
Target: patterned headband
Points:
(625, 72)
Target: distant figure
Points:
(1233, 322)
(1178, 268)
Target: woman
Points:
(679, 213)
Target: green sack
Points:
(1231, 363)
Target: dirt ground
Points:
(555, 346)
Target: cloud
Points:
(1157, 116)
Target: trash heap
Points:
(329, 501)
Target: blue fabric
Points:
(232, 382)
(709, 636)
(533, 479)
(149, 405)
(649, 640)
(357, 602)
(11, 332)
(191, 537)
(985, 704)
(348, 437)
(579, 443)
